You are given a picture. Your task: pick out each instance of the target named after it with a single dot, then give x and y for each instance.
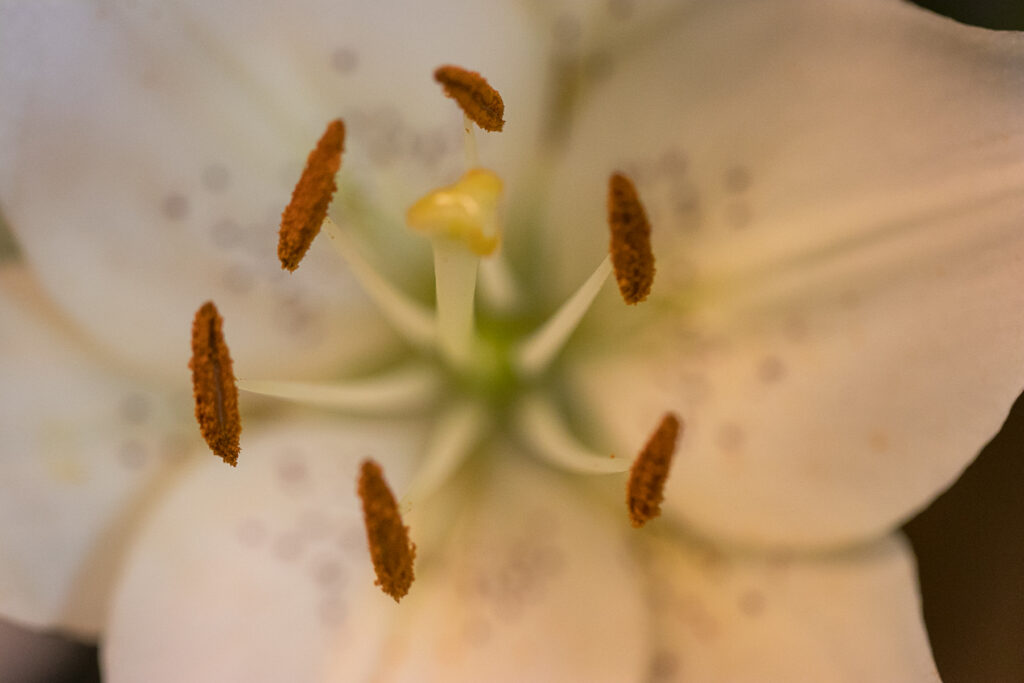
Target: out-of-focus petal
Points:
(83, 449)
(148, 151)
(836, 191)
(531, 582)
(260, 572)
(844, 618)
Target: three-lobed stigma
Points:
(466, 211)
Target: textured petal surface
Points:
(260, 572)
(835, 190)
(529, 583)
(83, 447)
(148, 151)
(843, 618)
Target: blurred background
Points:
(969, 542)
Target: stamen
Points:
(647, 478)
(401, 391)
(455, 434)
(541, 426)
(213, 385)
(630, 241)
(543, 346)
(479, 101)
(498, 284)
(409, 318)
(469, 142)
(390, 549)
(302, 218)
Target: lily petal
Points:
(83, 448)
(836, 191)
(148, 154)
(592, 33)
(260, 572)
(843, 618)
(530, 582)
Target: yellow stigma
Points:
(466, 211)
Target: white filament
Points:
(455, 434)
(498, 285)
(400, 391)
(541, 427)
(538, 350)
(408, 318)
(469, 142)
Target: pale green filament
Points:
(537, 352)
(540, 425)
(407, 317)
(409, 389)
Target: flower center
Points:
(480, 377)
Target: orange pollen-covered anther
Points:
(390, 549)
(647, 477)
(630, 240)
(213, 384)
(305, 213)
(478, 100)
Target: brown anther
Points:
(647, 477)
(390, 549)
(213, 384)
(479, 101)
(301, 220)
(631, 240)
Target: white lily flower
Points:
(835, 190)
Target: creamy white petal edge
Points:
(147, 151)
(262, 574)
(841, 618)
(836, 190)
(83, 447)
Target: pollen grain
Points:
(213, 385)
(647, 477)
(302, 218)
(630, 240)
(478, 100)
(390, 549)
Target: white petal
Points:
(764, 132)
(530, 583)
(147, 153)
(845, 350)
(589, 33)
(83, 449)
(260, 572)
(841, 618)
